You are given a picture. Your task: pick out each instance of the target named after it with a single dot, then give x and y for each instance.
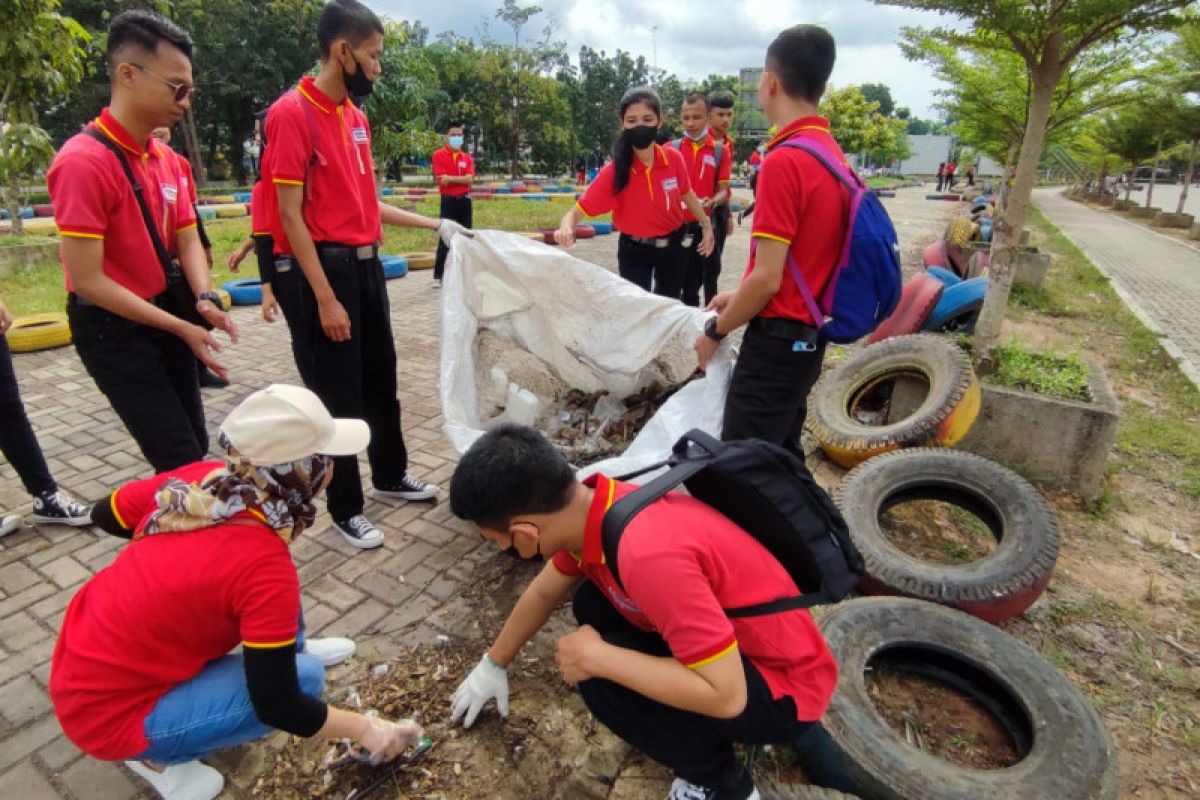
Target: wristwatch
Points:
(710, 330)
(213, 298)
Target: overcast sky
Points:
(699, 37)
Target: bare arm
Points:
(334, 320)
(565, 235)
(536, 604)
(405, 219)
(707, 243)
(759, 287)
(195, 263)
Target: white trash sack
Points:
(593, 329)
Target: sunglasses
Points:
(182, 90)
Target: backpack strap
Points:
(718, 155)
(844, 174)
(810, 302)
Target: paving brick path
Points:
(1157, 277)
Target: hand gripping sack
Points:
(865, 287)
(767, 492)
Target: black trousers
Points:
(768, 393)
(458, 209)
(287, 282)
(150, 378)
(357, 378)
(649, 266)
(720, 221)
(698, 748)
(700, 270)
(17, 440)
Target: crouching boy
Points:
(658, 662)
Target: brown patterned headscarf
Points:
(281, 494)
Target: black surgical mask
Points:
(640, 136)
(358, 85)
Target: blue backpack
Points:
(865, 286)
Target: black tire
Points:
(940, 420)
(998, 586)
(779, 791)
(1065, 752)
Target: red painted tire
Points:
(1002, 584)
(548, 235)
(519, 190)
(44, 210)
(935, 254)
(917, 301)
(585, 232)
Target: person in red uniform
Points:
(658, 662)
(708, 171)
(643, 186)
(141, 356)
(720, 121)
(143, 670)
(329, 217)
(454, 171)
(801, 214)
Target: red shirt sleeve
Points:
(724, 169)
(598, 199)
(439, 162)
(780, 201)
(83, 188)
(567, 564)
(266, 599)
(291, 145)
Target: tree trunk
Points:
(1007, 230)
(1129, 183)
(1007, 173)
(192, 141)
(1154, 172)
(14, 205)
(1187, 176)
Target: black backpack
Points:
(767, 492)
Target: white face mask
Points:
(456, 142)
(696, 137)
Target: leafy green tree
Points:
(1049, 36)
(403, 108)
(1130, 135)
(41, 58)
(859, 127)
(881, 95)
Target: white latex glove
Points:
(487, 681)
(385, 739)
(448, 229)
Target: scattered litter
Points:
(380, 670)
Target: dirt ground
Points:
(1120, 618)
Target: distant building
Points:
(928, 151)
(748, 78)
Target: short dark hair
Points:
(143, 29)
(802, 57)
(511, 470)
(454, 124)
(696, 97)
(348, 19)
(721, 99)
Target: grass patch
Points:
(9, 240)
(1056, 376)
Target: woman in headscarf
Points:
(142, 669)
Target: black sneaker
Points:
(409, 488)
(359, 532)
(211, 380)
(61, 508)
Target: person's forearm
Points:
(103, 291)
(752, 297)
(665, 680)
(721, 197)
(343, 724)
(527, 618)
(693, 204)
(407, 219)
(305, 253)
(572, 217)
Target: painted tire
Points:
(941, 418)
(387, 191)
(943, 197)
(958, 231)
(241, 197)
(548, 236)
(536, 236)
(25, 213)
(518, 189)
(959, 307)
(585, 232)
(207, 212)
(38, 332)
(394, 266)
(602, 228)
(935, 254)
(43, 226)
(420, 260)
(226, 298)
(224, 198)
(231, 211)
(917, 301)
(44, 210)
(503, 190)
(947, 277)
(1000, 585)
(1066, 754)
(244, 291)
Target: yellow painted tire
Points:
(854, 407)
(39, 332)
(226, 300)
(958, 232)
(536, 236)
(231, 210)
(223, 198)
(420, 260)
(42, 226)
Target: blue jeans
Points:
(212, 711)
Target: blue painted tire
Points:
(394, 266)
(602, 228)
(958, 309)
(242, 197)
(26, 213)
(244, 291)
(985, 230)
(387, 191)
(944, 275)
(504, 190)
(207, 212)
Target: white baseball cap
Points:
(281, 424)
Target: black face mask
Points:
(513, 552)
(641, 136)
(358, 85)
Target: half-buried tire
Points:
(39, 332)
(420, 260)
(1063, 750)
(394, 266)
(1002, 584)
(908, 391)
(958, 309)
(917, 301)
(244, 291)
(946, 276)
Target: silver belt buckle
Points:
(283, 265)
(687, 241)
(367, 251)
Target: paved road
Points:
(1158, 277)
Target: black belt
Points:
(365, 252)
(664, 241)
(793, 330)
(75, 301)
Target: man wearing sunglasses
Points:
(121, 203)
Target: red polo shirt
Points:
(456, 163)
(340, 201)
(706, 175)
(681, 563)
(650, 204)
(755, 159)
(800, 203)
(188, 177)
(93, 200)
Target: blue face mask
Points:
(456, 142)
(696, 137)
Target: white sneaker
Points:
(437, 283)
(685, 790)
(190, 780)
(409, 488)
(330, 651)
(359, 532)
(9, 523)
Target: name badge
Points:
(710, 161)
(670, 185)
(170, 193)
(359, 134)
(462, 165)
